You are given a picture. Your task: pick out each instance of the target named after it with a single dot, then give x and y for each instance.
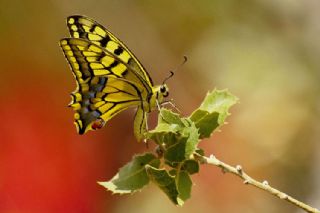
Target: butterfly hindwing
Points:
(102, 90)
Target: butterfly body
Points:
(109, 77)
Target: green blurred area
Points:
(264, 52)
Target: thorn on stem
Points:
(283, 196)
(265, 182)
(246, 182)
(239, 169)
(224, 170)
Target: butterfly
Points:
(109, 78)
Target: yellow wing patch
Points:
(89, 29)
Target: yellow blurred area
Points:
(265, 52)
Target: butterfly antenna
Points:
(185, 59)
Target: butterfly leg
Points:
(146, 130)
(159, 108)
(171, 103)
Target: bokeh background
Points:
(266, 52)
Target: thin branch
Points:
(238, 171)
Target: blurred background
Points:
(266, 52)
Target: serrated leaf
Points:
(133, 175)
(206, 122)
(165, 127)
(168, 128)
(165, 182)
(175, 152)
(173, 172)
(169, 117)
(218, 101)
(191, 166)
(184, 184)
(180, 148)
(192, 139)
(213, 111)
(161, 137)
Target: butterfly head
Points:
(164, 90)
(159, 93)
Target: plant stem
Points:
(238, 171)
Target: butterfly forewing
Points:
(86, 28)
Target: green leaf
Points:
(169, 117)
(165, 182)
(206, 122)
(175, 152)
(179, 137)
(192, 139)
(163, 133)
(184, 184)
(213, 111)
(168, 129)
(133, 175)
(191, 166)
(182, 147)
(176, 187)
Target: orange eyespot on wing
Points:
(98, 124)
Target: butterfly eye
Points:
(97, 124)
(162, 89)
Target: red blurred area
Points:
(45, 165)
